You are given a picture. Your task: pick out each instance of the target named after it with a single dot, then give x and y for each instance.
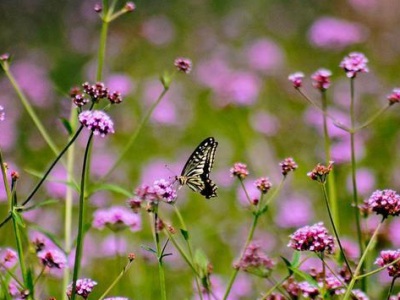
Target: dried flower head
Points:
(263, 184)
(354, 63)
(116, 218)
(239, 170)
(115, 97)
(312, 238)
(2, 113)
(183, 65)
(52, 258)
(320, 172)
(387, 257)
(288, 165)
(385, 203)
(254, 261)
(14, 175)
(131, 256)
(296, 79)
(135, 204)
(321, 79)
(97, 121)
(394, 97)
(83, 287)
(97, 91)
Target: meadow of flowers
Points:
(289, 108)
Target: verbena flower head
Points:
(2, 113)
(359, 295)
(385, 203)
(115, 97)
(83, 287)
(5, 57)
(387, 257)
(16, 292)
(8, 258)
(96, 91)
(97, 121)
(312, 238)
(254, 261)
(78, 97)
(52, 258)
(394, 97)
(307, 290)
(98, 8)
(239, 170)
(288, 165)
(116, 218)
(274, 296)
(164, 190)
(321, 79)
(183, 65)
(296, 79)
(354, 63)
(263, 184)
(129, 7)
(320, 172)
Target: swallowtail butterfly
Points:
(196, 172)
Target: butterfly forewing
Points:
(196, 172)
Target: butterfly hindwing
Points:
(196, 172)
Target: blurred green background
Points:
(237, 92)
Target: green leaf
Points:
(111, 187)
(67, 125)
(149, 249)
(185, 234)
(288, 265)
(29, 280)
(296, 259)
(166, 80)
(40, 204)
(17, 217)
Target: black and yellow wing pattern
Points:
(196, 172)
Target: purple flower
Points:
(4, 57)
(255, 262)
(239, 170)
(97, 121)
(387, 257)
(121, 83)
(2, 113)
(98, 8)
(312, 238)
(115, 97)
(365, 181)
(354, 63)
(164, 190)
(294, 212)
(288, 165)
(183, 64)
(116, 298)
(263, 184)
(158, 30)
(359, 295)
(321, 79)
(83, 287)
(264, 123)
(332, 33)
(296, 79)
(320, 172)
(264, 55)
(96, 91)
(385, 203)
(393, 98)
(52, 258)
(8, 258)
(130, 6)
(307, 290)
(116, 218)
(16, 292)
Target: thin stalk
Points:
(102, 48)
(325, 113)
(391, 287)
(124, 270)
(135, 134)
(373, 118)
(82, 210)
(189, 247)
(334, 227)
(159, 259)
(271, 290)
(29, 109)
(69, 204)
(236, 270)
(245, 192)
(379, 269)
(353, 172)
(331, 177)
(361, 262)
(38, 185)
(5, 181)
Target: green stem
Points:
(82, 210)
(245, 192)
(29, 109)
(361, 262)
(353, 172)
(334, 227)
(69, 203)
(159, 259)
(38, 185)
(135, 134)
(236, 270)
(189, 247)
(373, 118)
(271, 290)
(121, 274)
(331, 177)
(102, 49)
(391, 287)
(379, 269)
(5, 180)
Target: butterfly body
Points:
(196, 172)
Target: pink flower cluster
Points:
(312, 238)
(384, 202)
(254, 261)
(387, 257)
(83, 287)
(95, 92)
(288, 165)
(183, 65)
(321, 79)
(239, 170)
(393, 98)
(8, 258)
(354, 63)
(52, 258)
(263, 184)
(116, 218)
(97, 121)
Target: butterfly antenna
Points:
(175, 177)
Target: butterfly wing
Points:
(196, 172)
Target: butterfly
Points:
(196, 172)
